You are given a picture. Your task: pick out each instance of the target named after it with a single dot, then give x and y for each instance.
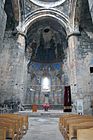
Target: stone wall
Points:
(3, 19)
(31, 7)
(91, 8)
(84, 60)
(12, 69)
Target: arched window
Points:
(45, 84)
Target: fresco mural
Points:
(34, 94)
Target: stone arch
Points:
(33, 17)
(41, 13)
(48, 4)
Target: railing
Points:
(39, 106)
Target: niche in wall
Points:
(91, 69)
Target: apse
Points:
(46, 41)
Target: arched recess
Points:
(40, 15)
(55, 17)
(47, 35)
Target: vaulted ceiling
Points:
(46, 38)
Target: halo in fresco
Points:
(48, 3)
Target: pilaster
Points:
(72, 45)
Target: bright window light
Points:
(45, 84)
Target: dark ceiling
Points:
(46, 40)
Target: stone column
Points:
(72, 48)
(21, 67)
(21, 42)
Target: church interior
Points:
(46, 69)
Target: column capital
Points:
(21, 30)
(73, 33)
(22, 34)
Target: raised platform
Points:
(42, 113)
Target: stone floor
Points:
(43, 128)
